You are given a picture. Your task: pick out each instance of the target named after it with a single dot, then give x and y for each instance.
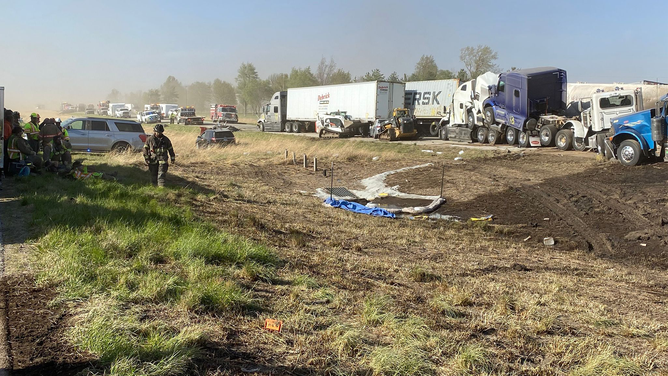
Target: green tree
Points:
(170, 90)
(394, 77)
(223, 92)
(444, 74)
(374, 75)
(340, 77)
(478, 60)
(278, 82)
(199, 96)
(152, 96)
(248, 85)
(462, 75)
(425, 69)
(302, 77)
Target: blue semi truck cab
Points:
(639, 136)
(525, 103)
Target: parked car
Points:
(148, 117)
(100, 134)
(214, 137)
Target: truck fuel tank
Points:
(658, 127)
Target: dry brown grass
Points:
(366, 295)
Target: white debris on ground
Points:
(375, 185)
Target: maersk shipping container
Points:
(430, 99)
(364, 101)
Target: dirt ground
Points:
(609, 261)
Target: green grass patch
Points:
(134, 246)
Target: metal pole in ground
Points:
(305, 161)
(294, 158)
(331, 185)
(315, 164)
(286, 153)
(442, 180)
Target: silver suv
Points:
(99, 134)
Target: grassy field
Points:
(178, 280)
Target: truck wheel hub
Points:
(627, 153)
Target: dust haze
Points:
(78, 52)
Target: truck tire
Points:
(261, 127)
(511, 135)
(470, 119)
(600, 145)
(433, 129)
(295, 127)
(288, 127)
(481, 134)
(564, 139)
(523, 139)
(579, 145)
(489, 116)
(629, 153)
(493, 136)
(547, 135)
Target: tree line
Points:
(251, 91)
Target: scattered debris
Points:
(546, 219)
(375, 158)
(485, 218)
(439, 152)
(359, 208)
(548, 241)
(427, 151)
(273, 325)
(643, 244)
(461, 152)
(527, 238)
(459, 158)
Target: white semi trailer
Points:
(429, 101)
(298, 109)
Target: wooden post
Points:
(286, 153)
(294, 158)
(315, 164)
(305, 161)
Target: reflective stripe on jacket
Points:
(32, 131)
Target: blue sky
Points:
(78, 51)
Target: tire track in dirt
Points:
(555, 203)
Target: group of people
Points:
(53, 141)
(46, 145)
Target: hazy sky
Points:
(77, 51)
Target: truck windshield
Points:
(228, 109)
(618, 101)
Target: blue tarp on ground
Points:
(358, 208)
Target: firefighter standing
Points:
(32, 131)
(155, 154)
(172, 116)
